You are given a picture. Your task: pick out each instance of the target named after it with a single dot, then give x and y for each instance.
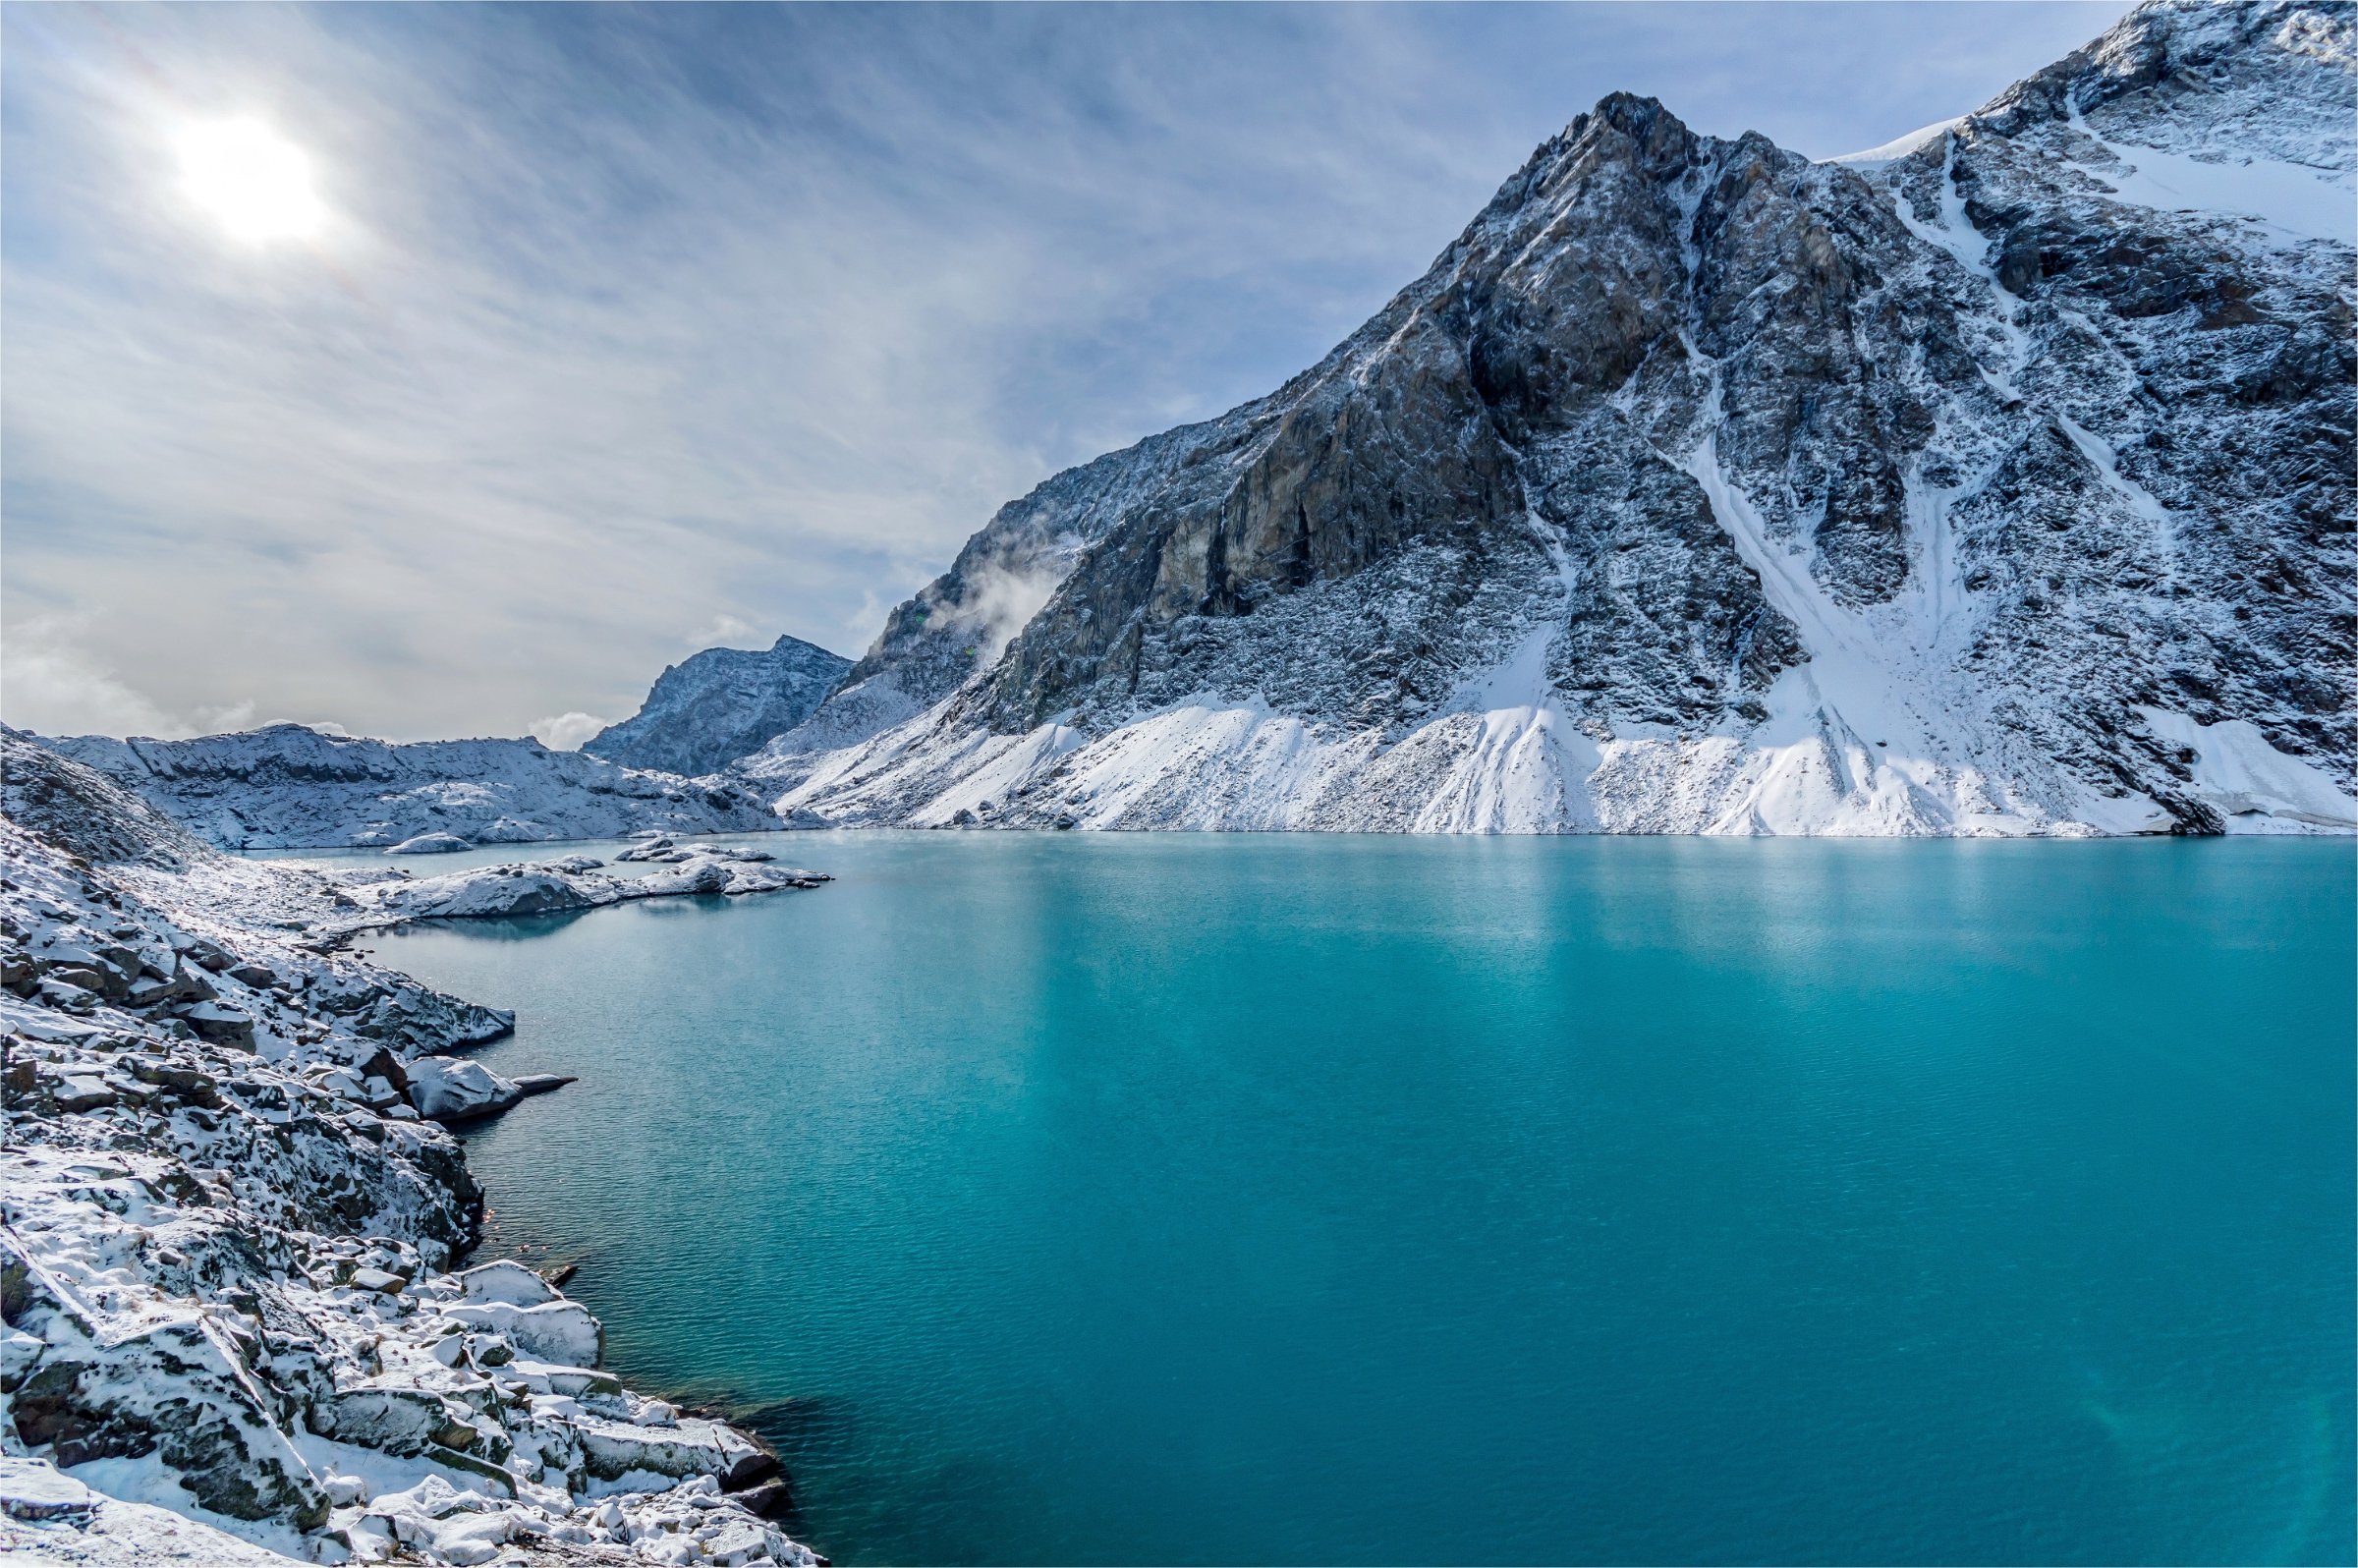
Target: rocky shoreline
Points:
(236, 1319)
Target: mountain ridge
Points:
(288, 786)
(1992, 481)
(1788, 496)
(719, 705)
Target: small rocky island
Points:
(235, 1225)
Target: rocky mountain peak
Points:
(1997, 481)
(717, 706)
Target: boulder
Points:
(768, 1499)
(446, 1089)
(430, 844)
(220, 1024)
(611, 1451)
(397, 1421)
(546, 1378)
(561, 1331)
(737, 1541)
(35, 1489)
(505, 1281)
(83, 1093)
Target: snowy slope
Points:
(235, 1317)
(706, 711)
(1994, 482)
(288, 786)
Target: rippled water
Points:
(1269, 1198)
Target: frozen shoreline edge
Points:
(240, 1262)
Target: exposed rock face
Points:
(225, 1273)
(287, 786)
(960, 624)
(1998, 486)
(706, 711)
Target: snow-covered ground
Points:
(288, 786)
(236, 1330)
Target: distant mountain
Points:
(1995, 481)
(288, 786)
(711, 708)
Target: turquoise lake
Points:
(1104, 1199)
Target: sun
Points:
(249, 179)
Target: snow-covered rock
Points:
(706, 711)
(1952, 488)
(430, 844)
(505, 1280)
(542, 889)
(102, 1531)
(451, 1089)
(664, 851)
(232, 1335)
(35, 1489)
(287, 786)
(560, 1331)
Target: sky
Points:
(565, 341)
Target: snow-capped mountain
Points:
(717, 706)
(286, 786)
(1994, 482)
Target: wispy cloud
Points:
(565, 732)
(632, 320)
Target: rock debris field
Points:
(235, 1319)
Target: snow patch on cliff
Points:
(2296, 200)
(2257, 787)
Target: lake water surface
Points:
(1270, 1199)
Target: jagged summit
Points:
(714, 707)
(1998, 482)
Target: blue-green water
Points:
(1081, 1199)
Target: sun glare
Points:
(252, 180)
